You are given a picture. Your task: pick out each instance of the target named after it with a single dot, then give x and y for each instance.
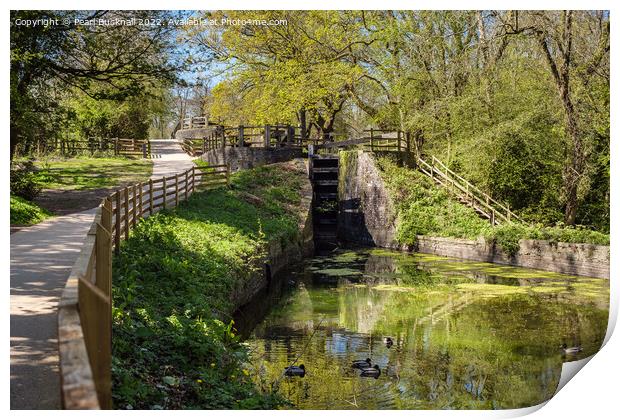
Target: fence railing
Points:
(483, 203)
(194, 122)
(85, 308)
(70, 147)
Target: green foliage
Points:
(111, 118)
(24, 212)
(174, 279)
(508, 235)
(425, 209)
(53, 67)
(24, 180)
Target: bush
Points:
(24, 180)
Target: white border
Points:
(592, 394)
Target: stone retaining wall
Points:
(367, 217)
(574, 259)
(250, 157)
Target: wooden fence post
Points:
(103, 264)
(228, 174)
(176, 190)
(133, 206)
(186, 183)
(150, 197)
(117, 222)
(193, 179)
(371, 139)
(267, 139)
(143, 150)
(290, 135)
(240, 140)
(164, 196)
(126, 193)
(141, 202)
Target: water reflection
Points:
(465, 335)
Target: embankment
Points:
(183, 273)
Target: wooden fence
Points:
(194, 122)
(85, 308)
(468, 193)
(71, 147)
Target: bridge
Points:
(395, 142)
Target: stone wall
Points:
(281, 253)
(250, 157)
(574, 259)
(366, 215)
(368, 218)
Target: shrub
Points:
(24, 180)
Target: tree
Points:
(285, 72)
(554, 33)
(103, 62)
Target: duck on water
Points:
(295, 371)
(361, 364)
(371, 372)
(571, 350)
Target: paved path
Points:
(41, 260)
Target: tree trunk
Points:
(301, 115)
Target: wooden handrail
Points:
(84, 315)
(471, 191)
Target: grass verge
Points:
(173, 344)
(85, 173)
(425, 209)
(26, 213)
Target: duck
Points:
(295, 371)
(361, 364)
(371, 372)
(389, 342)
(571, 350)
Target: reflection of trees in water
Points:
(453, 349)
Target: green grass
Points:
(86, 173)
(425, 209)
(25, 213)
(173, 280)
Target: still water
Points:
(466, 335)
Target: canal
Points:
(445, 333)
